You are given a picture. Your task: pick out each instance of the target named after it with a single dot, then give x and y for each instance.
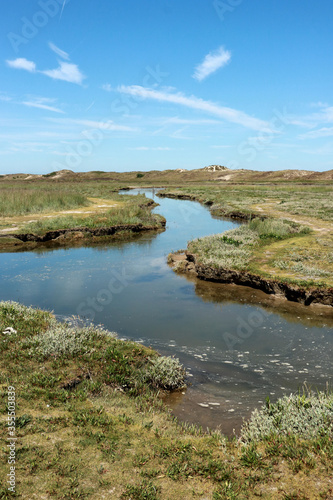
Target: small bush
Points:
(306, 416)
(62, 340)
(231, 249)
(51, 174)
(276, 228)
(166, 372)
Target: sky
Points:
(163, 84)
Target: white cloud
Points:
(229, 114)
(315, 134)
(211, 63)
(58, 51)
(108, 125)
(59, 153)
(107, 87)
(325, 115)
(62, 10)
(145, 148)
(4, 97)
(67, 72)
(326, 149)
(184, 121)
(40, 103)
(22, 63)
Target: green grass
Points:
(90, 424)
(136, 210)
(308, 415)
(117, 210)
(234, 249)
(280, 249)
(19, 201)
(42, 195)
(227, 199)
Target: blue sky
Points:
(156, 84)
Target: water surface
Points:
(238, 344)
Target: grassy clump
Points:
(307, 416)
(144, 491)
(63, 340)
(233, 249)
(167, 373)
(20, 201)
(276, 229)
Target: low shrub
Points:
(231, 249)
(61, 340)
(166, 372)
(305, 416)
(276, 228)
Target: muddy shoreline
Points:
(188, 263)
(76, 234)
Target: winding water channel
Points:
(239, 345)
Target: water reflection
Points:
(238, 344)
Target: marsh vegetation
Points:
(90, 423)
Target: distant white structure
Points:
(215, 168)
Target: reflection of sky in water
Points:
(238, 352)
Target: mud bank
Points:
(77, 233)
(188, 263)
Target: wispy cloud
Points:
(59, 52)
(22, 63)
(4, 97)
(145, 148)
(326, 149)
(108, 125)
(184, 121)
(229, 114)
(107, 87)
(312, 120)
(42, 104)
(62, 10)
(316, 134)
(211, 63)
(67, 72)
